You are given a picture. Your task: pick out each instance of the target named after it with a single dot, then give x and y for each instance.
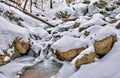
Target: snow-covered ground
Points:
(13, 69)
(63, 37)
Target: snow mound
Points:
(108, 67)
(97, 19)
(104, 32)
(38, 32)
(67, 43)
(8, 34)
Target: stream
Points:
(45, 69)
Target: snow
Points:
(86, 51)
(41, 33)
(97, 19)
(65, 71)
(13, 68)
(2, 76)
(10, 51)
(9, 32)
(6, 58)
(80, 8)
(117, 17)
(98, 26)
(105, 32)
(68, 41)
(106, 67)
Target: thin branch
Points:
(29, 14)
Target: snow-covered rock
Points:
(86, 59)
(102, 47)
(97, 19)
(12, 36)
(66, 42)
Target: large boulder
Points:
(68, 47)
(14, 41)
(15, 50)
(68, 55)
(21, 46)
(86, 59)
(102, 47)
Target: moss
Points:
(114, 21)
(86, 2)
(76, 25)
(16, 51)
(86, 33)
(11, 17)
(63, 15)
(81, 29)
(101, 4)
(86, 59)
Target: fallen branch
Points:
(27, 13)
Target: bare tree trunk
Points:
(31, 6)
(51, 4)
(42, 4)
(25, 5)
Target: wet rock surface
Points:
(42, 70)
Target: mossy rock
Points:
(68, 55)
(102, 47)
(86, 59)
(69, 1)
(81, 29)
(2, 57)
(101, 4)
(63, 15)
(86, 33)
(110, 8)
(86, 2)
(76, 25)
(20, 48)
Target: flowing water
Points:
(42, 70)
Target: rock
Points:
(2, 57)
(100, 4)
(102, 47)
(118, 26)
(81, 29)
(86, 33)
(86, 59)
(76, 25)
(63, 15)
(118, 2)
(20, 48)
(69, 1)
(69, 55)
(86, 2)
(110, 8)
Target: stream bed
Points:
(42, 70)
